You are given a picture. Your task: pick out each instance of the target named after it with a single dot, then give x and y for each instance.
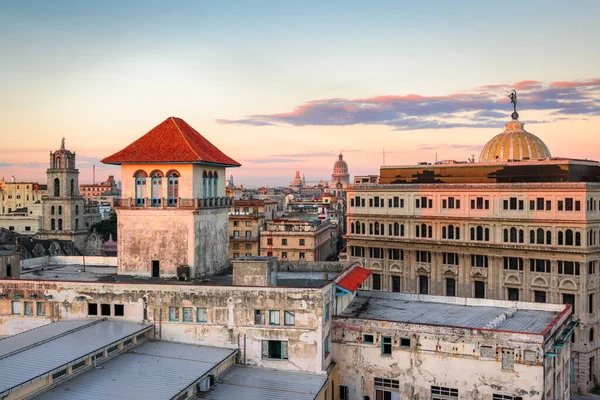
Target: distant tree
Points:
(107, 227)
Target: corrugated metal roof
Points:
(383, 306)
(31, 363)
(353, 279)
(254, 383)
(25, 339)
(155, 370)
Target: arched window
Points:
(506, 236)
(560, 238)
(76, 223)
(59, 210)
(60, 227)
(513, 235)
(52, 224)
(487, 234)
(423, 230)
(591, 336)
(540, 236)
(473, 233)
(56, 163)
(443, 232)
(204, 178)
(480, 233)
(451, 232)
(156, 188)
(357, 227)
(377, 228)
(351, 228)
(215, 186)
(390, 230)
(396, 230)
(362, 228)
(370, 228)
(430, 230)
(56, 187)
(77, 209)
(457, 233)
(532, 237)
(569, 237)
(577, 239)
(382, 228)
(417, 230)
(548, 237)
(172, 188)
(52, 210)
(521, 236)
(72, 187)
(140, 188)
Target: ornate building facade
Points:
(340, 177)
(519, 226)
(66, 214)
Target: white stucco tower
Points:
(173, 215)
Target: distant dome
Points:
(515, 143)
(340, 164)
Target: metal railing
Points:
(214, 202)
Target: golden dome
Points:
(514, 144)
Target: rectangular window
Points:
(302, 255)
(569, 204)
(270, 241)
(396, 202)
(513, 294)
(386, 345)
(423, 284)
(513, 203)
(560, 205)
(497, 396)
(105, 309)
(28, 308)
(376, 282)
(275, 349)
(119, 310)
(284, 254)
(591, 303)
(41, 309)
(174, 314)
(274, 317)
(344, 393)
(549, 205)
(404, 342)
(326, 345)
(92, 309)
(302, 242)
(443, 393)
(540, 203)
(289, 318)
(259, 317)
(539, 296)
(479, 289)
(368, 339)
(201, 314)
(284, 242)
(188, 314)
(450, 287)
(326, 312)
(569, 299)
(395, 284)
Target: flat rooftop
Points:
(36, 353)
(155, 370)
(520, 317)
(255, 383)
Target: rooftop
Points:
(254, 383)
(154, 370)
(496, 315)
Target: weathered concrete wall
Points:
(309, 266)
(230, 314)
(247, 272)
(69, 260)
(10, 263)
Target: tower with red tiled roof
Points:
(173, 213)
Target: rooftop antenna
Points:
(94, 174)
(384, 156)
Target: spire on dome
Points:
(62, 143)
(513, 100)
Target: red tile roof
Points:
(354, 278)
(173, 140)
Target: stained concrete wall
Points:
(69, 260)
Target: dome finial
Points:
(62, 143)
(513, 100)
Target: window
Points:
(404, 342)
(289, 318)
(569, 299)
(395, 284)
(274, 317)
(269, 240)
(9, 270)
(284, 242)
(513, 294)
(537, 265)
(479, 261)
(92, 309)
(119, 310)
(487, 352)
(368, 339)
(284, 254)
(497, 396)
(302, 255)
(450, 287)
(568, 268)
(275, 349)
(201, 314)
(479, 288)
(326, 312)
(326, 345)
(248, 223)
(513, 263)
(423, 284)
(28, 308)
(443, 393)
(40, 309)
(539, 296)
(105, 309)
(344, 393)
(259, 317)
(236, 223)
(174, 314)
(236, 246)
(508, 359)
(376, 282)
(302, 242)
(591, 303)
(386, 345)
(188, 314)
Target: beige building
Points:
(17, 195)
(173, 214)
(519, 225)
(298, 240)
(10, 263)
(443, 348)
(100, 191)
(28, 221)
(246, 218)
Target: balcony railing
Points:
(215, 202)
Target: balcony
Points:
(244, 238)
(195, 203)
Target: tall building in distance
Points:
(173, 214)
(518, 225)
(340, 177)
(66, 214)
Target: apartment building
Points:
(246, 218)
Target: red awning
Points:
(354, 278)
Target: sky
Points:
(282, 86)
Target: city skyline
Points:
(283, 87)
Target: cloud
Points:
(482, 107)
(309, 154)
(269, 160)
(427, 147)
